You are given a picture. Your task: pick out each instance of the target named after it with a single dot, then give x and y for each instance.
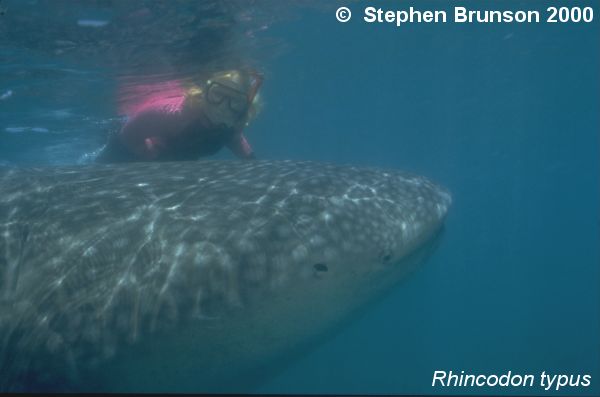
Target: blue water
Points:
(506, 116)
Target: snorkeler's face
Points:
(226, 106)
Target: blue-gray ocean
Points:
(505, 115)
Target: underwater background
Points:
(504, 115)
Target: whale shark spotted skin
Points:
(167, 277)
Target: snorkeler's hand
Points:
(154, 145)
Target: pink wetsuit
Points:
(158, 128)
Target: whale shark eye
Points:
(386, 258)
(320, 268)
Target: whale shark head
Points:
(167, 277)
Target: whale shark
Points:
(185, 276)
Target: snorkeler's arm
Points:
(240, 147)
(143, 134)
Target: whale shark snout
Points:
(177, 276)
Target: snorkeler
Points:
(175, 123)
